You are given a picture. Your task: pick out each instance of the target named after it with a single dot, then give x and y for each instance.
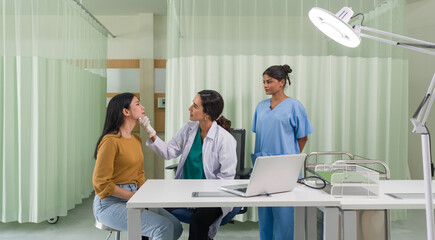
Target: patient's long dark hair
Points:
(114, 115)
(213, 105)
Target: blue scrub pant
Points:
(278, 220)
(112, 212)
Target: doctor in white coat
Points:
(208, 151)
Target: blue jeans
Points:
(112, 212)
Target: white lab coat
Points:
(218, 155)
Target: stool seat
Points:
(101, 226)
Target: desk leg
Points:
(311, 223)
(330, 223)
(349, 225)
(299, 220)
(134, 225)
(305, 223)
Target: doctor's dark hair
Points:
(114, 115)
(213, 105)
(279, 72)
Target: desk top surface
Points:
(387, 202)
(178, 193)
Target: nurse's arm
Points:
(302, 142)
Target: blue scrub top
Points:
(277, 131)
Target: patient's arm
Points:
(122, 193)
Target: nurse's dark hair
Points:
(213, 105)
(114, 115)
(279, 72)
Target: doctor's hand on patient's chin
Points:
(145, 123)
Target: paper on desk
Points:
(213, 194)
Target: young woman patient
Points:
(119, 173)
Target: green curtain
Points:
(52, 103)
(356, 99)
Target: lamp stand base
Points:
(425, 144)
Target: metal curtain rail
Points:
(92, 16)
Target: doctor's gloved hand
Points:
(145, 123)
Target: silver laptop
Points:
(271, 174)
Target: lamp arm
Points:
(423, 110)
(413, 40)
(427, 110)
(418, 45)
(378, 39)
(412, 43)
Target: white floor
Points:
(79, 225)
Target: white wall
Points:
(159, 80)
(421, 25)
(134, 36)
(160, 52)
(160, 37)
(123, 80)
(138, 36)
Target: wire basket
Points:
(349, 180)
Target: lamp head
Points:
(336, 26)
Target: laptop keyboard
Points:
(241, 189)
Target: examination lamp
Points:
(336, 27)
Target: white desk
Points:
(178, 193)
(349, 206)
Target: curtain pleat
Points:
(52, 104)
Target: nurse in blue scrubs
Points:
(281, 127)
